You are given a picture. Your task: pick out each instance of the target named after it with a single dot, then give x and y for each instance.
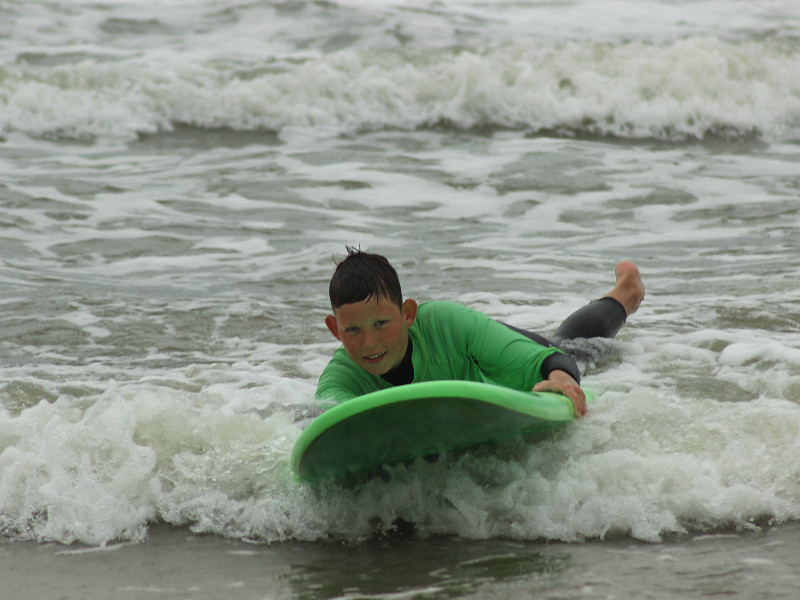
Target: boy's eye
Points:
(382, 323)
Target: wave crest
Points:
(690, 89)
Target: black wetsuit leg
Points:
(601, 318)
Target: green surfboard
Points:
(420, 419)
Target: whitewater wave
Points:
(689, 89)
(644, 465)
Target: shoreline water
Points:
(174, 563)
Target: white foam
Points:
(687, 89)
(641, 464)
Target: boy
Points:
(389, 341)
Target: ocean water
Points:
(176, 180)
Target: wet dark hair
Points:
(362, 276)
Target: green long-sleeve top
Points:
(449, 342)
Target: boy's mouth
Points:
(374, 358)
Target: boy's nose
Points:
(370, 339)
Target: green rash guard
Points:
(449, 342)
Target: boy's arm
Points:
(514, 360)
(554, 370)
(560, 362)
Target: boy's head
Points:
(370, 317)
(362, 276)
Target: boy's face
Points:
(374, 332)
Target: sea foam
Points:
(688, 89)
(642, 464)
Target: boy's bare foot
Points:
(630, 288)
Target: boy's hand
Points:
(562, 382)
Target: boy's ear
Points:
(333, 326)
(410, 311)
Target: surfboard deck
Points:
(420, 419)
